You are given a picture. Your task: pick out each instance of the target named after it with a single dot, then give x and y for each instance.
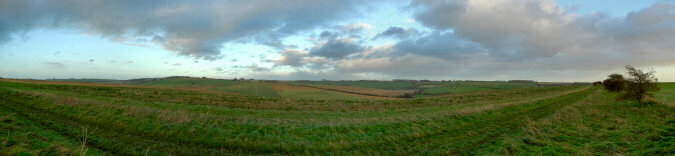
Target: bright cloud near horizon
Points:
(544, 40)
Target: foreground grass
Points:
(595, 125)
(26, 137)
(152, 121)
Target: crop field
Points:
(253, 88)
(388, 85)
(415, 88)
(302, 92)
(368, 89)
(360, 90)
(188, 118)
(440, 88)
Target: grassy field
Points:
(55, 118)
(441, 88)
(389, 85)
(253, 88)
(333, 89)
(667, 93)
(417, 88)
(301, 92)
(359, 90)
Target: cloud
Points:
(55, 65)
(292, 57)
(437, 44)
(471, 38)
(176, 64)
(510, 29)
(336, 48)
(255, 68)
(91, 60)
(517, 39)
(537, 34)
(397, 32)
(219, 69)
(325, 35)
(355, 27)
(195, 29)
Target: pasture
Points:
(216, 117)
(667, 93)
(416, 88)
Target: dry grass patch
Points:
(292, 88)
(90, 84)
(301, 88)
(362, 91)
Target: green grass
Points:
(21, 136)
(158, 121)
(440, 88)
(454, 89)
(248, 88)
(595, 125)
(667, 92)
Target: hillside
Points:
(43, 118)
(368, 89)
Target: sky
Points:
(543, 40)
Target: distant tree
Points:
(640, 83)
(597, 83)
(614, 83)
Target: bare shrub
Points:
(639, 84)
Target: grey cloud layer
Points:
(465, 37)
(397, 32)
(532, 36)
(444, 45)
(293, 58)
(191, 28)
(337, 48)
(514, 37)
(531, 29)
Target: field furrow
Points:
(102, 137)
(161, 121)
(467, 132)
